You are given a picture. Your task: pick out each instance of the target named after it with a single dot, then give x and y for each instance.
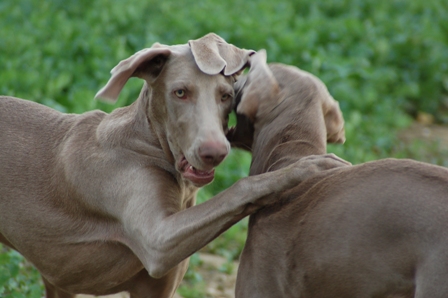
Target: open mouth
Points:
(198, 177)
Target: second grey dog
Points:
(377, 229)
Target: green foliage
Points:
(194, 284)
(383, 60)
(18, 279)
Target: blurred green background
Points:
(385, 61)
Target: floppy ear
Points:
(214, 55)
(147, 62)
(334, 122)
(261, 89)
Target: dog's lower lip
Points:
(196, 176)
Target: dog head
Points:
(189, 91)
(267, 86)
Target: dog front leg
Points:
(176, 236)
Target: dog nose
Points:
(212, 153)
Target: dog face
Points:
(193, 109)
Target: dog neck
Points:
(293, 131)
(130, 127)
(156, 128)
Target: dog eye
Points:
(180, 93)
(226, 97)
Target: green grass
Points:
(383, 60)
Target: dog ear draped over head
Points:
(214, 55)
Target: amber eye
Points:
(180, 93)
(225, 97)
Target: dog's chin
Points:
(199, 178)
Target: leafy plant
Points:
(18, 278)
